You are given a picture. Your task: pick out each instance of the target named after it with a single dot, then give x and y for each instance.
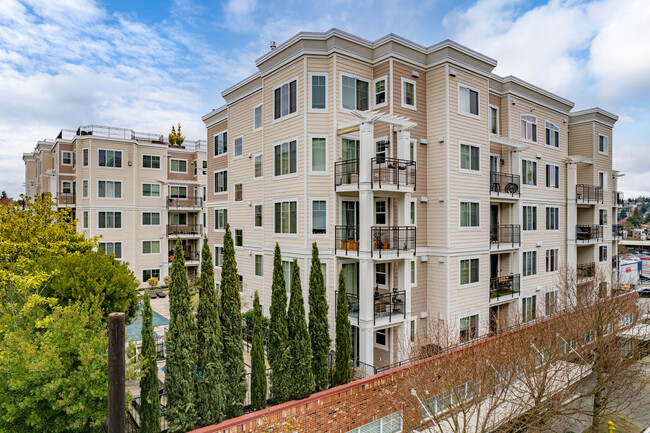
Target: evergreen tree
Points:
(318, 326)
(234, 384)
(258, 366)
(149, 399)
(209, 346)
(342, 372)
(181, 340)
(278, 333)
(302, 377)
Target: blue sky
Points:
(143, 64)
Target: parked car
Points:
(644, 293)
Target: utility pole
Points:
(116, 374)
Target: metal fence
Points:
(505, 235)
(346, 172)
(504, 183)
(392, 171)
(393, 238)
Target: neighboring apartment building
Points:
(446, 194)
(135, 190)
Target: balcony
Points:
(346, 239)
(588, 233)
(393, 240)
(505, 236)
(66, 199)
(346, 173)
(188, 230)
(586, 270)
(192, 257)
(504, 288)
(618, 199)
(589, 194)
(617, 230)
(390, 307)
(505, 185)
(184, 202)
(392, 172)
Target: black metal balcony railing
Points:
(188, 229)
(392, 171)
(353, 303)
(504, 183)
(586, 270)
(346, 172)
(392, 238)
(507, 285)
(184, 202)
(619, 200)
(65, 199)
(189, 255)
(589, 193)
(617, 230)
(587, 233)
(505, 235)
(391, 305)
(346, 238)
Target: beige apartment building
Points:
(135, 190)
(446, 194)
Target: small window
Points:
(412, 218)
(259, 265)
(552, 135)
(257, 113)
(380, 339)
(150, 218)
(114, 248)
(530, 263)
(85, 219)
(84, 188)
(468, 100)
(380, 274)
(286, 217)
(221, 181)
(552, 218)
(150, 273)
(220, 219)
(413, 150)
(408, 93)
(552, 260)
(412, 331)
(109, 220)
(84, 157)
(603, 144)
(239, 146)
(285, 158)
(551, 304)
(221, 143)
(150, 161)
(469, 328)
(470, 157)
(528, 308)
(530, 218)
(178, 166)
(287, 267)
(354, 93)
(258, 170)
(218, 256)
(66, 187)
(204, 164)
(258, 215)
(239, 192)
(150, 190)
(109, 189)
(285, 99)
(494, 120)
(178, 192)
(603, 217)
(529, 172)
(66, 158)
(469, 214)
(602, 253)
(602, 180)
(529, 127)
(318, 154)
(319, 217)
(239, 237)
(469, 271)
(178, 219)
(413, 273)
(380, 212)
(150, 247)
(552, 176)
(380, 92)
(318, 92)
(109, 158)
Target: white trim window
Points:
(218, 256)
(414, 274)
(529, 128)
(470, 157)
(603, 144)
(381, 213)
(239, 191)
(285, 159)
(354, 93)
(109, 189)
(551, 305)
(413, 150)
(530, 218)
(258, 216)
(602, 180)
(114, 248)
(381, 342)
(530, 263)
(468, 100)
(85, 157)
(318, 154)
(257, 117)
(150, 190)
(86, 219)
(259, 265)
(468, 328)
(150, 247)
(239, 237)
(286, 217)
(109, 220)
(220, 219)
(66, 158)
(151, 161)
(318, 87)
(177, 165)
(470, 214)
(285, 99)
(150, 273)
(528, 308)
(552, 176)
(552, 260)
(413, 212)
(178, 191)
(469, 271)
(109, 158)
(602, 217)
(220, 181)
(379, 86)
(85, 188)
(408, 94)
(178, 219)
(602, 253)
(552, 135)
(318, 217)
(494, 119)
(529, 172)
(552, 218)
(150, 218)
(258, 169)
(221, 143)
(239, 146)
(66, 187)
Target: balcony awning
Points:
(375, 116)
(515, 144)
(579, 158)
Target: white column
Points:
(517, 210)
(571, 214)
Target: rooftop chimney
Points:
(273, 47)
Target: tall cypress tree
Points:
(258, 366)
(209, 347)
(234, 384)
(278, 333)
(149, 399)
(181, 340)
(318, 326)
(302, 377)
(343, 372)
